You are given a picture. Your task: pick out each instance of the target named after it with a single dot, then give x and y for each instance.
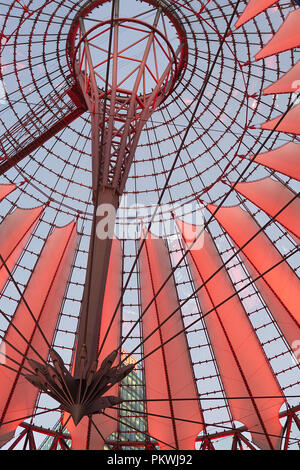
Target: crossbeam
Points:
(42, 122)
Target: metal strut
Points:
(42, 122)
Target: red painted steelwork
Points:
(118, 116)
(168, 372)
(49, 117)
(289, 124)
(29, 434)
(285, 322)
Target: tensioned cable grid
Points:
(197, 149)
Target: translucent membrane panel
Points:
(168, 372)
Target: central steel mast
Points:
(118, 113)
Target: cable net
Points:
(210, 146)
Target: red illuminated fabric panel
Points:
(15, 231)
(288, 83)
(285, 159)
(44, 294)
(289, 124)
(286, 323)
(244, 369)
(253, 8)
(6, 189)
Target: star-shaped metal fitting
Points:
(79, 396)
